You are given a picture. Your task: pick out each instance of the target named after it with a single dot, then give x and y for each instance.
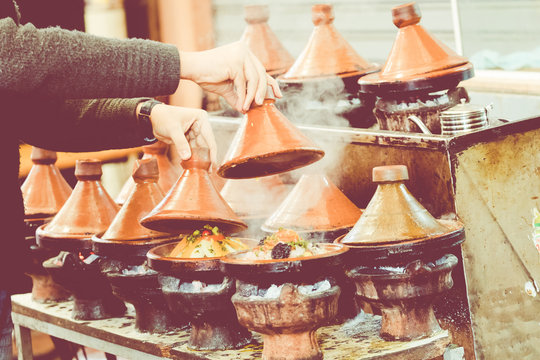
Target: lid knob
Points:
(406, 14)
(147, 169)
(254, 14)
(322, 14)
(88, 169)
(390, 173)
(42, 156)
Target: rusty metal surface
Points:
(497, 186)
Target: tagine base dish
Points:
(358, 339)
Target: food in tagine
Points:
(283, 244)
(205, 243)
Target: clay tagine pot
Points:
(44, 192)
(88, 210)
(196, 289)
(253, 200)
(398, 257)
(168, 172)
(287, 299)
(395, 227)
(262, 41)
(417, 60)
(316, 209)
(405, 295)
(193, 202)
(266, 143)
(326, 74)
(124, 246)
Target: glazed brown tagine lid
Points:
(89, 210)
(44, 190)
(315, 205)
(263, 42)
(327, 53)
(266, 143)
(417, 60)
(126, 237)
(394, 222)
(193, 202)
(195, 288)
(168, 172)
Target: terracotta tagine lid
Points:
(193, 202)
(416, 56)
(254, 198)
(168, 172)
(327, 53)
(262, 41)
(89, 210)
(145, 196)
(315, 204)
(44, 190)
(266, 143)
(393, 214)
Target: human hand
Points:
(231, 71)
(174, 124)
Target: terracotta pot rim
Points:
(133, 242)
(168, 216)
(360, 73)
(152, 255)
(225, 169)
(375, 80)
(42, 233)
(453, 227)
(231, 258)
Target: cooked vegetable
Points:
(207, 242)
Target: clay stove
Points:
(420, 77)
(400, 257)
(124, 246)
(286, 300)
(87, 211)
(324, 76)
(44, 192)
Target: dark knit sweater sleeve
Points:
(81, 125)
(59, 63)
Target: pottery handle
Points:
(415, 119)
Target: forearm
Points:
(83, 125)
(69, 64)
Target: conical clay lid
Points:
(193, 202)
(145, 196)
(44, 190)
(266, 143)
(89, 209)
(415, 54)
(168, 172)
(327, 53)
(314, 204)
(254, 198)
(262, 41)
(393, 215)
